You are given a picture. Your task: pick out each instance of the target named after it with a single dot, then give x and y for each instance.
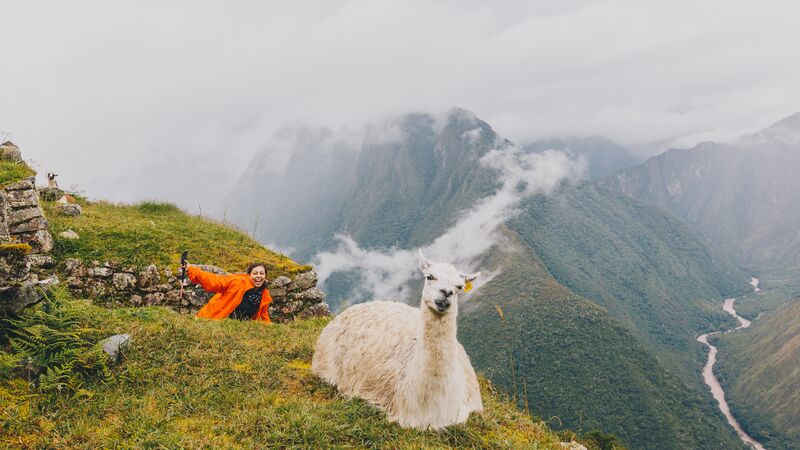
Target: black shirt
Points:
(248, 307)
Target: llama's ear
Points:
(470, 276)
(424, 262)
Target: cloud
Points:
(386, 273)
(171, 101)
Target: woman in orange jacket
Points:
(240, 296)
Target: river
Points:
(711, 379)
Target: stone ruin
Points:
(122, 286)
(26, 242)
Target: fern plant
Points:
(50, 345)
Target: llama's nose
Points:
(446, 292)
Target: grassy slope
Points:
(149, 232)
(760, 370)
(11, 172)
(191, 383)
(573, 361)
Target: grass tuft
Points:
(11, 172)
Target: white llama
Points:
(405, 360)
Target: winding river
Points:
(712, 381)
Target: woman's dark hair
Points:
(253, 265)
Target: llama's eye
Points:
(430, 277)
(460, 287)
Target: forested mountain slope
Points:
(760, 370)
(569, 358)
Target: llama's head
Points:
(443, 284)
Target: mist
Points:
(170, 101)
(386, 273)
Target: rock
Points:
(41, 241)
(318, 310)
(23, 215)
(50, 194)
(70, 209)
(113, 265)
(98, 288)
(136, 300)
(277, 293)
(304, 281)
(148, 277)
(22, 199)
(10, 152)
(163, 287)
(100, 272)
(69, 234)
(123, 281)
(311, 296)
(167, 273)
(32, 225)
(75, 283)
(4, 235)
(42, 261)
(174, 297)
(74, 267)
(289, 308)
(22, 295)
(24, 185)
(197, 297)
(14, 263)
(114, 345)
(155, 298)
(281, 281)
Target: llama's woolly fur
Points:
(405, 360)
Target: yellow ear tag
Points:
(468, 286)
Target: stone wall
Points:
(19, 287)
(22, 218)
(25, 243)
(120, 286)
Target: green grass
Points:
(191, 383)
(11, 172)
(151, 232)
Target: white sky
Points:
(169, 100)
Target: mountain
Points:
(604, 156)
(413, 172)
(648, 283)
(760, 371)
(565, 357)
(741, 195)
(646, 267)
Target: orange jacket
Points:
(229, 289)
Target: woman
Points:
(239, 296)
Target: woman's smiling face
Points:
(258, 275)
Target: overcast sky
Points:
(169, 100)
